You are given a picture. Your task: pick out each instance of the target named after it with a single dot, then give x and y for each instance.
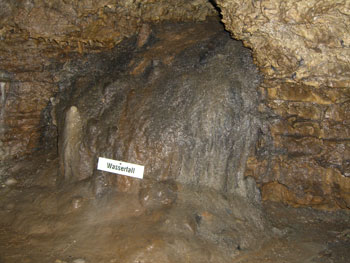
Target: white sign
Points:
(119, 167)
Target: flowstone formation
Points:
(183, 103)
(302, 48)
(37, 38)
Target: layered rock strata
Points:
(302, 47)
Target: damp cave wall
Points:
(302, 153)
(155, 104)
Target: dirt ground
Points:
(40, 222)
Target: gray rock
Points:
(191, 117)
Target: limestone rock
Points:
(304, 41)
(191, 118)
(302, 48)
(83, 25)
(38, 37)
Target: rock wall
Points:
(27, 83)
(302, 47)
(37, 38)
(304, 41)
(88, 25)
(184, 105)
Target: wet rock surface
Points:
(40, 223)
(300, 47)
(182, 100)
(167, 217)
(183, 105)
(37, 38)
(167, 221)
(150, 101)
(153, 104)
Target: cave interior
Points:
(174, 131)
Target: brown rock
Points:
(302, 48)
(305, 41)
(35, 38)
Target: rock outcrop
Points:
(301, 47)
(38, 37)
(184, 105)
(305, 41)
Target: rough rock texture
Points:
(306, 41)
(38, 37)
(89, 24)
(27, 83)
(150, 101)
(302, 47)
(166, 222)
(302, 156)
(184, 105)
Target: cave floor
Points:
(38, 223)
